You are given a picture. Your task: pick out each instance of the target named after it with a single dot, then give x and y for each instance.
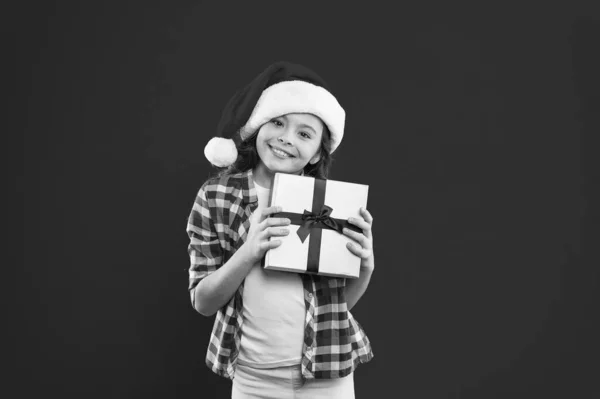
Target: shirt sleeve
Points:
(204, 249)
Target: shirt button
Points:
(309, 295)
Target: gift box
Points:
(319, 209)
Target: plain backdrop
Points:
(475, 125)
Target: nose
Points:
(284, 138)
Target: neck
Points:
(263, 176)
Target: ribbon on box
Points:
(312, 222)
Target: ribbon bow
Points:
(322, 220)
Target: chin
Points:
(281, 169)
(276, 165)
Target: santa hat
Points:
(282, 88)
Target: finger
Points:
(366, 215)
(360, 223)
(275, 232)
(266, 212)
(356, 249)
(276, 222)
(360, 238)
(266, 245)
(274, 244)
(271, 210)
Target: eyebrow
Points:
(284, 117)
(308, 126)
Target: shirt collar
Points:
(250, 195)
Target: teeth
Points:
(279, 152)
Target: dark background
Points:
(476, 127)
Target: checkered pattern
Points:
(334, 342)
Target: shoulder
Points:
(224, 185)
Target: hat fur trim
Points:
(297, 96)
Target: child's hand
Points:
(261, 228)
(363, 245)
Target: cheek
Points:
(265, 131)
(310, 150)
(261, 148)
(261, 139)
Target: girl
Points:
(276, 334)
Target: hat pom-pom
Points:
(221, 152)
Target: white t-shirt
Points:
(273, 312)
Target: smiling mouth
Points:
(280, 153)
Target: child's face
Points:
(288, 143)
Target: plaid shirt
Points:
(334, 342)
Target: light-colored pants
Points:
(287, 383)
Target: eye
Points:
(277, 122)
(305, 135)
